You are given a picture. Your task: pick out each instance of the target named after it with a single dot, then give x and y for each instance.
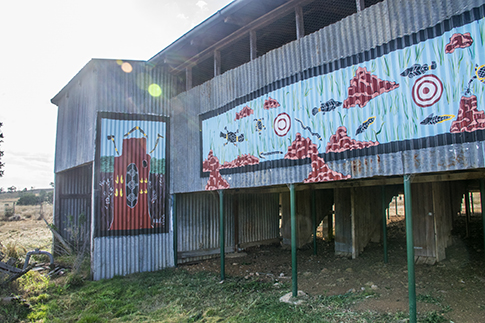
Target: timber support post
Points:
(384, 222)
(314, 222)
(482, 201)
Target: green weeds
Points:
(174, 295)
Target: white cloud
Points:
(201, 4)
(182, 16)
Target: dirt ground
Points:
(455, 286)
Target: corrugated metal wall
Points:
(128, 87)
(131, 217)
(248, 218)
(258, 216)
(76, 121)
(125, 255)
(72, 215)
(330, 49)
(104, 85)
(198, 223)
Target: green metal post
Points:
(410, 248)
(222, 234)
(384, 222)
(482, 200)
(314, 219)
(294, 270)
(175, 245)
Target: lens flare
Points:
(126, 67)
(155, 90)
(119, 61)
(143, 80)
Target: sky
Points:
(43, 44)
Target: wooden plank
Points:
(285, 218)
(262, 21)
(253, 49)
(217, 63)
(235, 210)
(343, 222)
(260, 243)
(360, 5)
(423, 220)
(300, 27)
(204, 252)
(443, 218)
(354, 222)
(466, 200)
(188, 78)
(374, 181)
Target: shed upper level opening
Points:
(246, 30)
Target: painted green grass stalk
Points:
(481, 27)
(373, 66)
(307, 91)
(439, 50)
(342, 119)
(447, 93)
(321, 86)
(418, 51)
(386, 68)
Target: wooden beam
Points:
(238, 21)
(264, 20)
(253, 50)
(360, 5)
(188, 78)
(300, 28)
(217, 63)
(203, 252)
(364, 182)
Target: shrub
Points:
(28, 199)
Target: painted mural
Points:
(132, 175)
(431, 88)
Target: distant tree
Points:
(25, 189)
(49, 197)
(51, 184)
(2, 190)
(12, 189)
(31, 188)
(28, 199)
(1, 151)
(46, 197)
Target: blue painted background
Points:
(395, 112)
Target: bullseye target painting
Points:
(427, 89)
(131, 174)
(282, 124)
